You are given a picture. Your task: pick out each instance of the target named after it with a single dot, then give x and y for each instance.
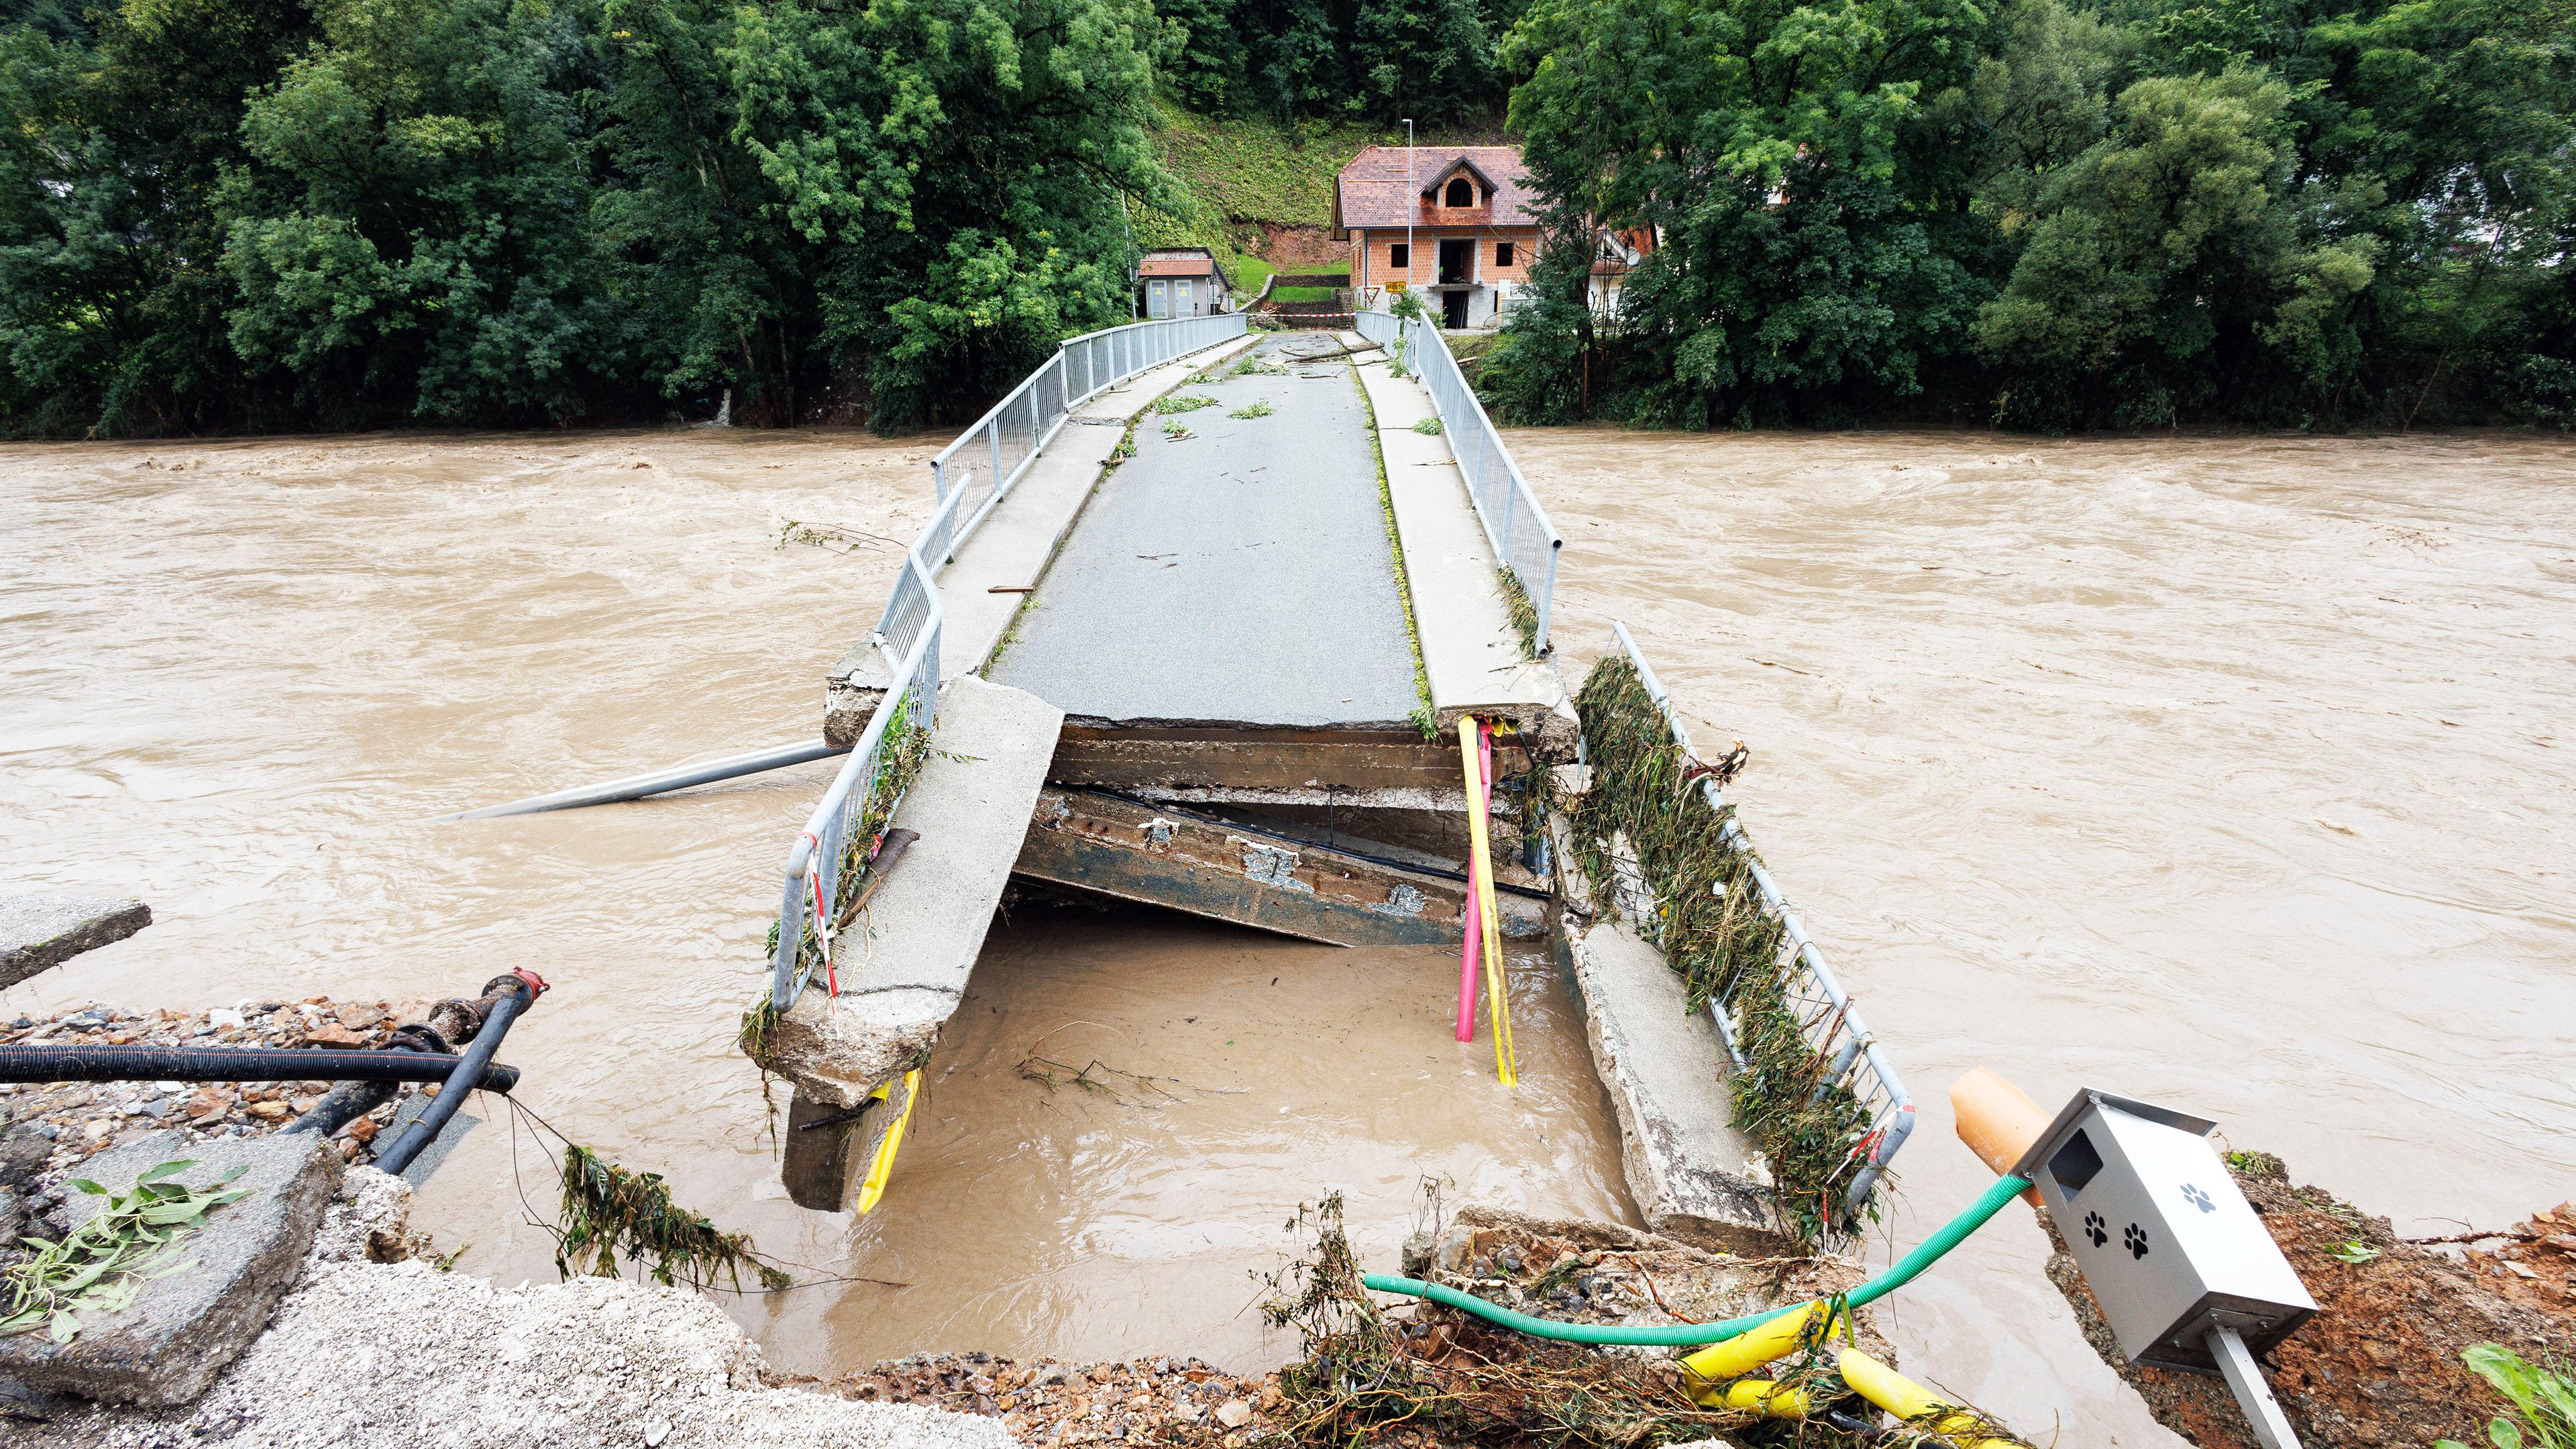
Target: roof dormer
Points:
(1459, 186)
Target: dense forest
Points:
(285, 214)
(2052, 214)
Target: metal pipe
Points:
(48, 1062)
(523, 988)
(2253, 1395)
(636, 787)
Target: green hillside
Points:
(1244, 175)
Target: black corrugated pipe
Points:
(342, 1105)
(52, 1063)
(518, 991)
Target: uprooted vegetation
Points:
(1427, 1375)
(1644, 818)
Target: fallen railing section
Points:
(973, 475)
(1830, 1021)
(1515, 525)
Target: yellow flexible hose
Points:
(1915, 1404)
(1738, 1356)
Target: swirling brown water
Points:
(238, 678)
(2230, 773)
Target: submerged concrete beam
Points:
(1230, 872)
(39, 932)
(904, 965)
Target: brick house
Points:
(1181, 282)
(1472, 233)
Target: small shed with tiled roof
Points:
(1181, 282)
(1456, 222)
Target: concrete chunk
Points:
(184, 1330)
(904, 964)
(1692, 1174)
(37, 932)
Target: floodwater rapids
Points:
(2229, 773)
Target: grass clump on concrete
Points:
(1187, 402)
(101, 1265)
(1709, 921)
(1254, 409)
(1253, 366)
(1424, 717)
(606, 1210)
(1428, 427)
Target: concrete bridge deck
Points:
(1237, 570)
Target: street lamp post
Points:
(1412, 204)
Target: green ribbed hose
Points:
(1903, 1271)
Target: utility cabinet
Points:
(2163, 1236)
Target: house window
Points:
(1460, 193)
(1399, 255)
(1502, 254)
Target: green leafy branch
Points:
(101, 1265)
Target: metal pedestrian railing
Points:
(989, 457)
(972, 475)
(1523, 540)
(1829, 1017)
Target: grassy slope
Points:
(1242, 174)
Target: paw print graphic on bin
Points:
(2135, 1240)
(2096, 1229)
(2193, 1194)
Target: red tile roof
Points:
(1175, 267)
(1372, 191)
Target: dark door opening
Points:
(1456, 259)
(1453, 310)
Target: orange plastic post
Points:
(1997, 1120)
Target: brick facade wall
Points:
(1372, 266)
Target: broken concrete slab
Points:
(183, 1330)
(39, 932)
(1693, 1176)
(905, 963)
(1013, 546)
(1235, 572)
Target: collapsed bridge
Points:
(1202, 620)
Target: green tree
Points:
(112, 300)
(1782, 154)
(2168, 269)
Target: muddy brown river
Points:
(2227, 773)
